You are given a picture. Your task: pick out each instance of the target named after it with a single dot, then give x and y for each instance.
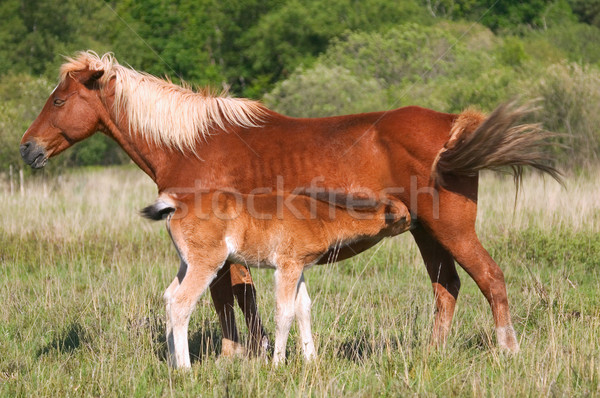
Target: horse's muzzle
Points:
(34, 155)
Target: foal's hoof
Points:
(230, 348)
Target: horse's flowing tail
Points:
(495, 142)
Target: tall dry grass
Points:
(67, 207)
(542, 202)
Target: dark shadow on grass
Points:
(157, 331)
(203, 342)
(363, 347)
(65, 342)
(477, 341)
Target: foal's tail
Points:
(495, 142)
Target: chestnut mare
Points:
(190, 142)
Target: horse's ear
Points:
(89, 78)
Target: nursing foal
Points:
(288, 232)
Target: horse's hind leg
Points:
(222, 294)
(474, 259)
(453, 226)
(444, 279)
(302, 305)
(455, 230)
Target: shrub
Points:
(579, 42)
(324, 91)
(570, 94)
(453, 94)
(408, 53)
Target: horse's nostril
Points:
(25, 148)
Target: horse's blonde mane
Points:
(162, 112)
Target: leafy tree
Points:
(247, 45)
(188, 39)
(502, 15)
(12, 30)
(587, 11)
(35, 33)
(507, 14)
(297, 32)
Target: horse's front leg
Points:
(234, 281)
(222, 295)
(245, 293)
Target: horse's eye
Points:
(59, 102)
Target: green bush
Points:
(324, 91)
(512, 52)
(574, 41)
(570, 94)
(453, 94)
(446, 67)
(299, 30)
(407, 53)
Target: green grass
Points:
(82, 277)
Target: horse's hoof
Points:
(507, 339)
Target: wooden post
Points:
(22, 181)
(10, 178)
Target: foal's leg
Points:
(444, 279)
(199, 266)
(287, 277)
(245, 293)
(182, 301)
(222, 294)
(303, 304)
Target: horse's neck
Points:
(148, 157)
(170, 169)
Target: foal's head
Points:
(71, 114)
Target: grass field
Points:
(82, 277)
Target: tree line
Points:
(315, 58)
